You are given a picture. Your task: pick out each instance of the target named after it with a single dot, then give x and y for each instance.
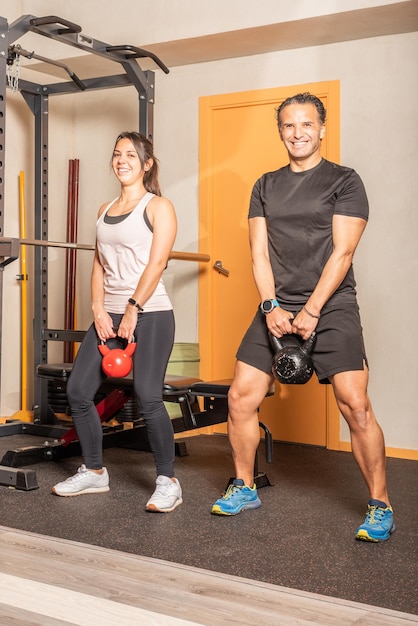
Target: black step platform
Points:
(19, 479)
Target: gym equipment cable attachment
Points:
(13, 68)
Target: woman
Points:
(134, 236)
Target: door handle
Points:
(218, 266)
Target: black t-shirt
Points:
(299, 207)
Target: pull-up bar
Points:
(15, 51)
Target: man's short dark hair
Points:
(303, 98)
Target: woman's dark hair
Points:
(145, 151)
(303, 98)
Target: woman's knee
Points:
(79, 397)
(150, 403)
(72, 393)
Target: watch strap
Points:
(135, 303)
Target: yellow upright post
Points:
(23, 278)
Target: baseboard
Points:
(397, 453)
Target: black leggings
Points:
(154, 337)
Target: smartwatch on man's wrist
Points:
(268, 305)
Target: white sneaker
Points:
(84, 481)
(166, 497)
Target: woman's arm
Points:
(162, 217)
(102, 320)
(163, 220)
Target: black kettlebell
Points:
(292, 363)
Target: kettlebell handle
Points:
(129, 350)
(102, 342)
(309, 344)
(275, 342)
(306, 347)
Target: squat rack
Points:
(36, 97)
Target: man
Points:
(305, 222)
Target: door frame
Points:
(330, 92)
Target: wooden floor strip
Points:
(78, 608)
(50, 582)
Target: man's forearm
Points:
(331, 278)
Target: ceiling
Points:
(378, 21)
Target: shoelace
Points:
(375, 514)
(80, 472)
(231, 491)
(164, 490)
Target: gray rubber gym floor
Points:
(302, 536)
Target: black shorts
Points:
(339, 346)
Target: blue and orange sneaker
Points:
(238, 497)
(379, 524)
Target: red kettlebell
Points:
(117, 363)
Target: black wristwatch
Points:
(135, 303)
(268, 305)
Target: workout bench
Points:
(112, 397)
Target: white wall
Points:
(378, 138)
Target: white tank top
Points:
(124, 249)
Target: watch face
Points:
(267, 306)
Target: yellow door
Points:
(239, 141)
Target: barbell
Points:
(9, 247)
